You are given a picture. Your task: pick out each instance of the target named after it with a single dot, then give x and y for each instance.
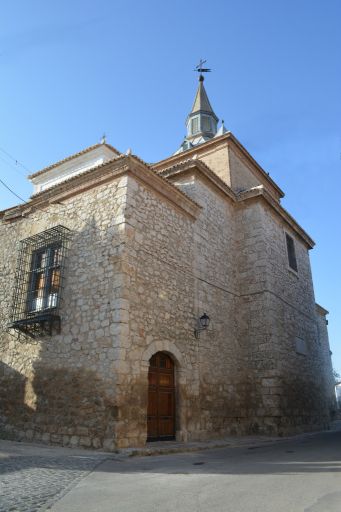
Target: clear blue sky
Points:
(73, 70)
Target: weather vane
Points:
(200, 69)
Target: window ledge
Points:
(294, 272)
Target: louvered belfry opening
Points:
(39, 282)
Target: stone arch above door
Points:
(163, 346)
(183, 371)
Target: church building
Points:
(159, 301)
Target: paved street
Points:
(32, 477)
(298, 475)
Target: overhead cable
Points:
(15, 160)
(12, 192)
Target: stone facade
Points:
(152, 248)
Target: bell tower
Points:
(201, 122)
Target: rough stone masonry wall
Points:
(180, 268)
(326, 380)
(159, 284)
(62, 388)
(217, 159)
(260, 364)
(241, 176)
(273, 389)
(276, 319)
(298, 392)
(223, 384)
(139, 274)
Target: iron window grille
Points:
(39, 282)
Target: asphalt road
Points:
(300, 474)
(303, 474)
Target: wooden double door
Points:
(161, 398)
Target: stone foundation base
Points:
(277, 427)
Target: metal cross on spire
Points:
(200, 69)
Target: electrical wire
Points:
(14, 167)
(15, 160)
(12, 192)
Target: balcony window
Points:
(44, 286)
(39, 281)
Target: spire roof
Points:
(201, 122)
(201, 102)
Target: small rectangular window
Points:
(195, 125)
(291, 252)
(206, 122)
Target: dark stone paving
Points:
(33, 483)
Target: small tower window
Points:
(195, 125)
(206, 124)
(291, 252)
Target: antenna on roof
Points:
(200, 69)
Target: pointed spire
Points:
(201, 122)
(201, 102)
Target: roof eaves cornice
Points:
(100, 175)
(44, 197)
(195, 164)
(321, 310)
(260, 192)
(188, 154)
(171, 189)
(228, 137)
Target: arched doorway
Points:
(161, 398)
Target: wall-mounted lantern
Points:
(202, 323)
